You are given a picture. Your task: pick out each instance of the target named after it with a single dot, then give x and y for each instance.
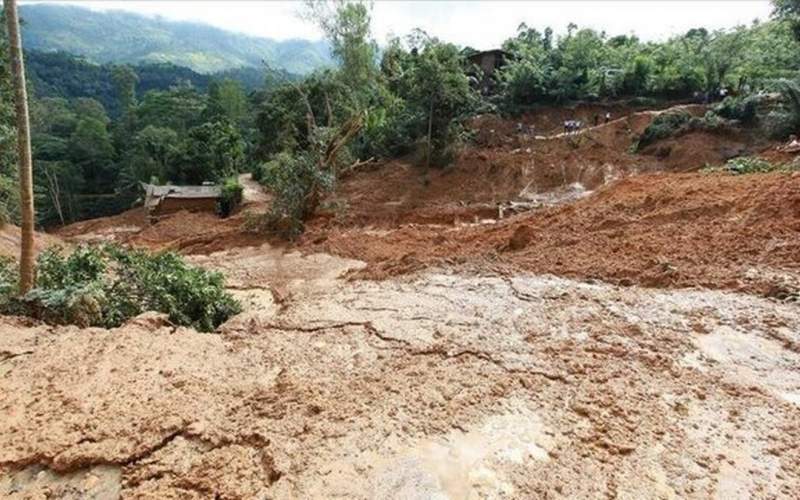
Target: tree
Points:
(346, 25)
(26, 275)
(226, 100)
(436, 87)
(9, 187)
(213, 152)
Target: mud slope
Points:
(439, 385)
(505, 165)
(673, 230)
(186, 232)
(10, 241)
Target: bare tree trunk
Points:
(55, 193)
(430, 131)
(23, 147)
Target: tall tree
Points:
(23, 146)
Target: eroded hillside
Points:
(551, 317)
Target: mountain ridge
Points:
(123, 37)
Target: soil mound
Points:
(676, 230)
(187, 232)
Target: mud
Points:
(437, 385)
(656, 230)
(552, 323)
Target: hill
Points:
(59, 74)
(122, 37)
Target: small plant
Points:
(230, 196)
(663, 125)
(750, 165)
(105, 286)
(742, 109)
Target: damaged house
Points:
(164, 200)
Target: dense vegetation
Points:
(587, 64)
(120, 37)
(88, 164)
(105, 286)
(59, 74)
(99, 130)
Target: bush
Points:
(663, 125)
(105, 286)
(752, 165)
(779, 124)
(230, 196)
(296, 181)
(738, 108)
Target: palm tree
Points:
(23, 146)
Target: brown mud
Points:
(576, 321)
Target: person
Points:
(608, 116)
(596, 119)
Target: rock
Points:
(150, 320)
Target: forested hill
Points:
(122, 37)
(58, 74)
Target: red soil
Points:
(675, 230)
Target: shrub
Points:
(230, 196)
(738, 108)
(296, 181)
(663, 125)
(779, 124)
(752, 165)
(105, 286)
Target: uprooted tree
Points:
(316, 130)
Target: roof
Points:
(486, 52)
(154, 194)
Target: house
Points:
(488, 61)
(163, 200)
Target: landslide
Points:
(663, 230)
(504, 166)
(10, 241)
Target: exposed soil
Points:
(553, 317)
(10, 241)
(675, 230)
(440, 385)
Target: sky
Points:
(480, 24)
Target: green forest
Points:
(99, 130)
(121, 37)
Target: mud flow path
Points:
(439, 384)
(629, 335)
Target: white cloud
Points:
(481, 24)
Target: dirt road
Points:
(436, 385)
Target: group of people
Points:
(573, 126)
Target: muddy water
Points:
(444, 384)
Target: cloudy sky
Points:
(481, 24)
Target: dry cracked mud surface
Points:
(438, 384)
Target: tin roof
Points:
(154, 194)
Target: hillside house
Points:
(163, 200)
(488, 61)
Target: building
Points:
(488, 61)
(163, 200)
